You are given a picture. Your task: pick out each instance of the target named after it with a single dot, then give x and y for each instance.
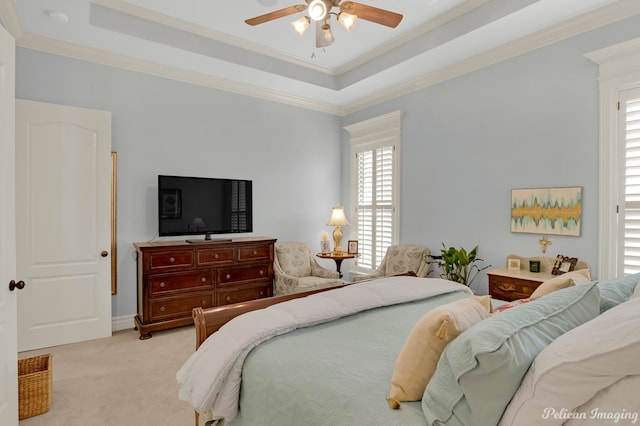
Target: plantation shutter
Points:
(631, 213)
(375, 205)
(375, 177)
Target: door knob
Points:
(104, 253)
(13, 285)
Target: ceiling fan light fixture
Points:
(327, 35)
(300, 25)
(318, 10)
(347, 20)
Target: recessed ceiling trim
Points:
(190, 27)
(438, 21)
(578, 25)
(102, 57)
(11, 18)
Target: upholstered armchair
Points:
(401, 259)
(296, 269)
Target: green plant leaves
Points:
(459, 265)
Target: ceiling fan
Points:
(321, 10)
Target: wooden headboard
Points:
(207, 321)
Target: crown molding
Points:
(591, 20)
(578, 25)
(438, 21)
(190, 27)
(75, 51)
(10, 17)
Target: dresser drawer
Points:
(179, 306)
(170, 260)
(508, 288)
(252, 253)
(235, 275)
(215, 256)
(227, 297)
(171, 282)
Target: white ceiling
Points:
(207, 42)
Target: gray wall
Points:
(162, 126)
(528, 122)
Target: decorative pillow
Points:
(510, 305)
(613, 292)
(421, 351)
(578, 365)
(481, 369)
(569, 279)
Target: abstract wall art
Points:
(556, 211)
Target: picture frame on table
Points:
(564, 264)
(325, 246)
(352, 247)
(513, 264)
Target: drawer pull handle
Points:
(228, 298)
(162, 308)
(255, 252)
(228, 276)
(261, 272)
(216, 256)
(261, 292)
(203, 303)
(507, 287)
(172, 259)
(203, 279)
(162, 284)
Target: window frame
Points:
(619, 71)
(374, 133)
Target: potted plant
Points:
(459, 265)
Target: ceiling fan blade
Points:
(370, 13)
(276, 14)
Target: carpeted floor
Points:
(120, 381)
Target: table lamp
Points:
(337, 219)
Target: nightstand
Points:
(506, 284)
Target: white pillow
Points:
(578, 365)
(618, 400)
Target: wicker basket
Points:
(34, 385)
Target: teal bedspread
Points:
(336, 373)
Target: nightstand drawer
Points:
(509, 288)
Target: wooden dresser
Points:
(176, 276)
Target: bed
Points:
(287, 364)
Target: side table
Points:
(338, 258)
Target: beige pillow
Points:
(421, 351)
(568, 279)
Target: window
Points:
(619, 190)
(375, 148)
(629, 220)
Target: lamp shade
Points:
(337, 217)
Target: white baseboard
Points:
(122, 323)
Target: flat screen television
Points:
(197, 205)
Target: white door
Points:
(8, 348)
(63, 232)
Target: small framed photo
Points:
(352, 247)
(564, 264)
(513, 264)
(325, 246)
